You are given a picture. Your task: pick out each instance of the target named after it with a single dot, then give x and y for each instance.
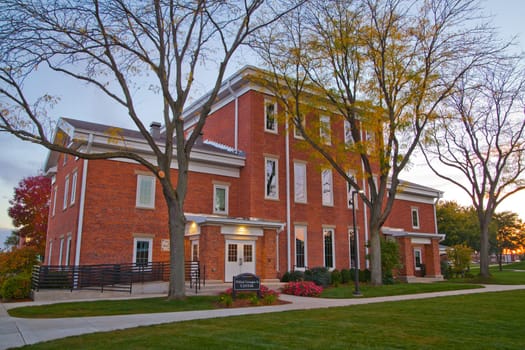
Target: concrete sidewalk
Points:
(16, 332)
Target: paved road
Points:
(16, 332)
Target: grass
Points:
(478, 321)
(511, 274)
(346, 291)
(115, 307)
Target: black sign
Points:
(246, 282)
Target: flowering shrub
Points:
(303, 289)
(268, 296)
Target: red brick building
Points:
(257, 201)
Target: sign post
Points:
(246, 282)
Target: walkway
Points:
(16, 332)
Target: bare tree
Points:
(383, 67)
(480, 145)
(112, 45)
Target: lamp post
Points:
(357, 292)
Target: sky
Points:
(22, 159)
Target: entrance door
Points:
(240, 258)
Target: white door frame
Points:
(233, 268)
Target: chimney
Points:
(154, 130)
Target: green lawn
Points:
(478, 321)
(115, 307)
(346, 291)
(511, 274)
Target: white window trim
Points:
(296, 133)
(74, 179)
(60, 251)
(226, 189)
(329, 203)
(66, 190)
(412, 211)
(266, 160)
(348, 131)
(150, 250)
(50, 253)
(349, 191)
(68, 250)
(325, 131)
(418, 268)
(333, 247)
(305, 247)
(276, 127)
(55, 193)
(305, 187)
(151, 205)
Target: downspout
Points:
(288, 219)
(236, 123)
(82, 203)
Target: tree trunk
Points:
(177, 224)
(484, 258)
(376, 275)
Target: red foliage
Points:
(30, 209)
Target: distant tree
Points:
(458, 223)
(510, 234)
(460, 255)
(479, 144)
(11, 241)
(30, 210)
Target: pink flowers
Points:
(303, 289)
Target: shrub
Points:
(318, 275)
(390, 258)
(336, 277)
(445, 269)
(16, 287)
(226, 299)
(303, 289)
(388, 278)
(346, 276)
(364, 275)
(293, 276)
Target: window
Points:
(247, 253)
(65, 159)
(66, 187)
(417, 258)
(324, 130)
(60, 250)
(145, 191)
(349, 139)
(270, 116)
(415, 217)
(220, 199)
(299, 173)
(142, 251)
(68, 250)
(296, 132)
(232, 252)
(300, 247)
(74, 187)
(328, 247)
(349, 190)
(327, 187)
(194, 251)
(271, 183)
(55, 192)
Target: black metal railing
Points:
(110, 277)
